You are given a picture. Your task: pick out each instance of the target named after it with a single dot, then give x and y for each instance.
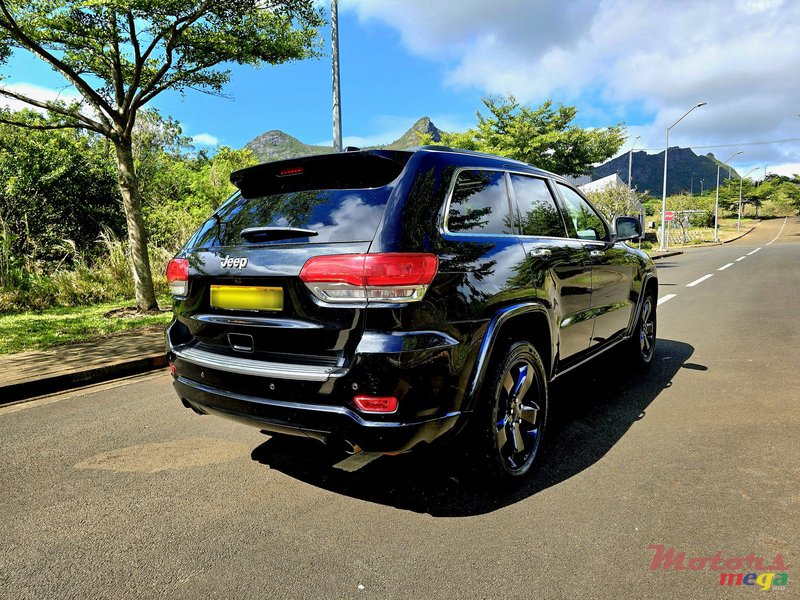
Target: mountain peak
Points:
(686, 170)
(411, 138)
(278, 145)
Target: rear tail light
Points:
(375, 278)
(376, 404)
(178, 276)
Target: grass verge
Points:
(24, 331)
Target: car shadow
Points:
(590, 410)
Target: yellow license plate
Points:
(246, 297)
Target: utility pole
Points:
(337, 99)
(630, 161)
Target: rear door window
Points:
(535, 209)
(480, 204)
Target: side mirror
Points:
(627, 228)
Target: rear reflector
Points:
(178, 276)
(380, 278)
(376, 404)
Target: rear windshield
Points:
(335, 215)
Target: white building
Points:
(598, 185)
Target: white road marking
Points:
(775, 239)
(740, 258)
(725, 267)
(701, 280)
(666, 298)
(753, 252)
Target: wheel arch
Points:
(530, 322)
(649, 283)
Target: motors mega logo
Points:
(749, 570)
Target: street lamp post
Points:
(739, 219)
(630, 161)
(664, 243)
(337, 95)
(716, 203)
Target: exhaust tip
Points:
(351, 447)
(191, 406)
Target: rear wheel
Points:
(513, 412)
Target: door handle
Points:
(540, 253)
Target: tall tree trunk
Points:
(137, 236)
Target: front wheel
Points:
(514, 412)
(643, 342)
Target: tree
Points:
(120, 54)
(544, 136)
(615, 200)
(54, 186)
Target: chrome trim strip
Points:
(260, 368)
(270, 322)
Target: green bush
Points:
(106, 279)
(702, 219)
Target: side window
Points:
(535, 210)
(586, 223)
(479, 204)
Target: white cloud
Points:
(616, 57)
(205, 139)
(36, 92)
(788, 169)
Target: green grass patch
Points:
(24, 331)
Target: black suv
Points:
(383, 300)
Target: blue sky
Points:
(643, 63)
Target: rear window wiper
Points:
(254, 234)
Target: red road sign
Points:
(669, 215)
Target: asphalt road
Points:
(118, 491)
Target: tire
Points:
(512, 414)
(642, 345)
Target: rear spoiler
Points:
(345, 170)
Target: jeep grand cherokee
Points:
(387, 299)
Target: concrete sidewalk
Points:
(30, 374)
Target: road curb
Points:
(667, 254)
(64, 381)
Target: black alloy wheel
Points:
(643, 343)
(519, 411)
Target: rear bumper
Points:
(323, 422)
